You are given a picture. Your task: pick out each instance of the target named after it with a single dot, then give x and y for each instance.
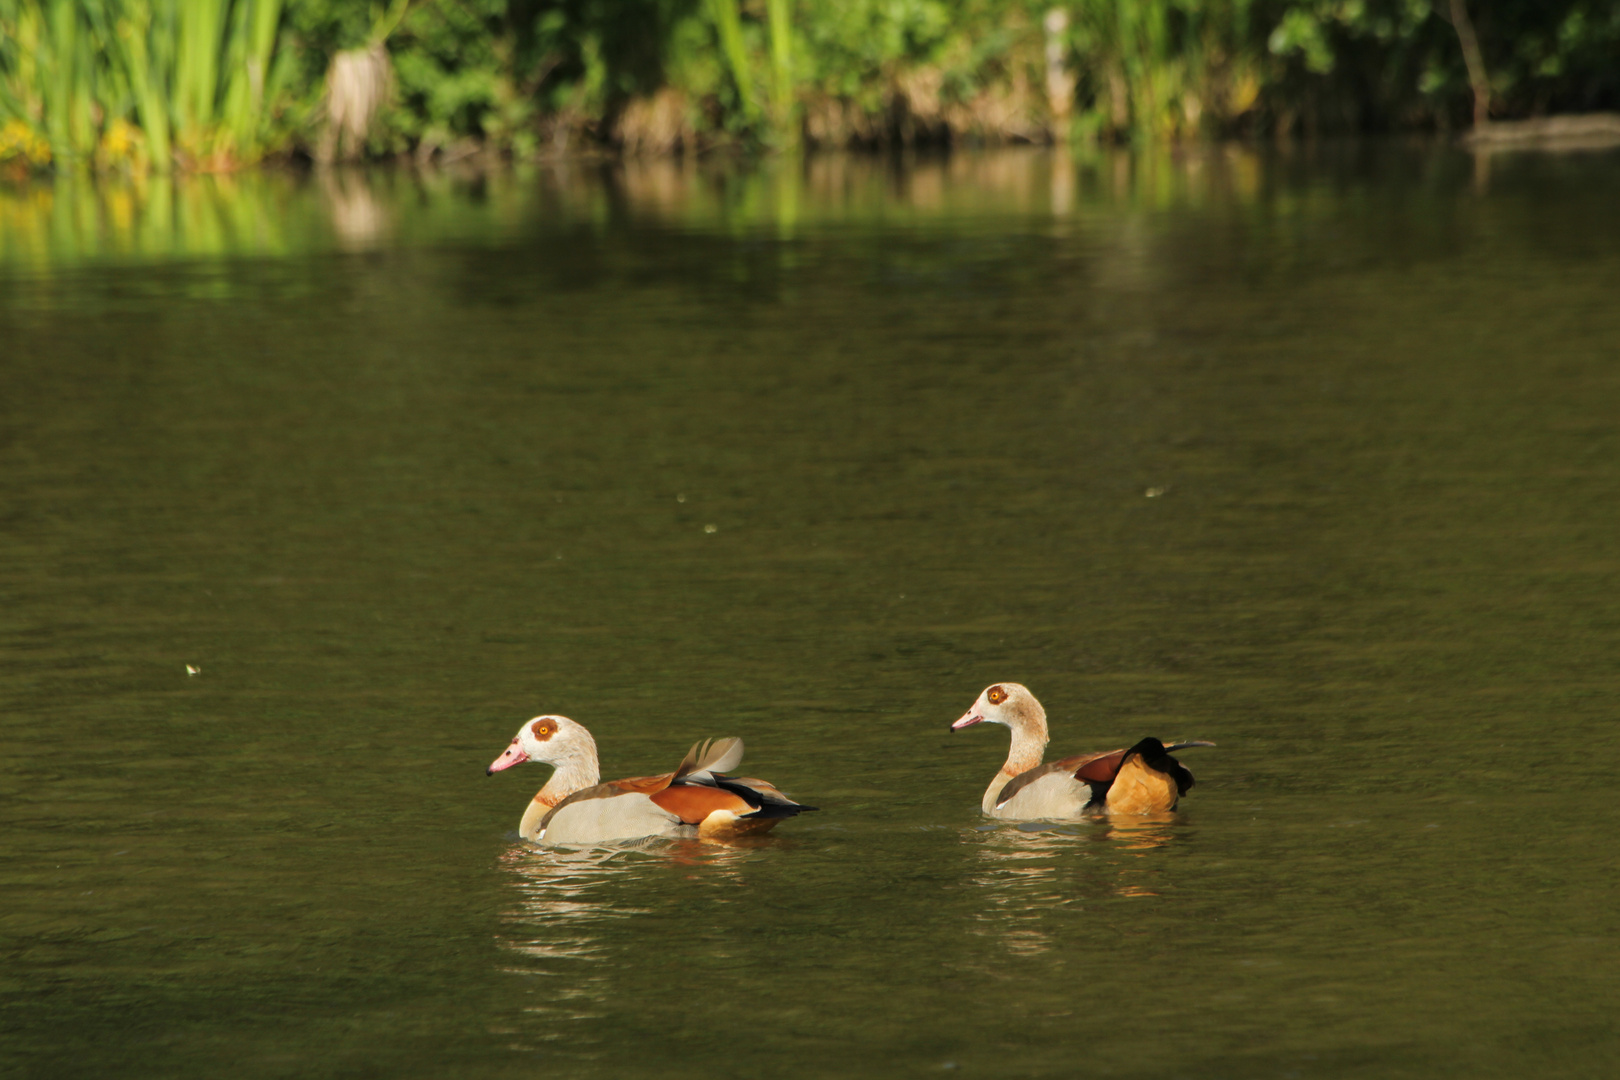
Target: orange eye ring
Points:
(996, 695)
(543, 729)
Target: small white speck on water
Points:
(681, 497)
(193, 670)
(711, 528)
(1155, 492)
(559, 554)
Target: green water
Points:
(398, 463)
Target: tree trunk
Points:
(1476, 63)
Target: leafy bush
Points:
(138, 84)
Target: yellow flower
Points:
(11, 137)
(21, 143)
(120, 143)
(118, 139)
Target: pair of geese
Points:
(700, 799)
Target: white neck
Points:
(575, 772)
(571, 775)
(1027, 751)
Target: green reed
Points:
(137, 84)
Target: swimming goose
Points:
(1143, 779)
(697, 799)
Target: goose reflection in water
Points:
(1029, 870)
(555, 895)
(1018, 870)
(1142, 833)
(1137, 837)
(561, 892)
(567, 902)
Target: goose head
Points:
(550, 740)
(1009, 704)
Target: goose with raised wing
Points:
(1143, 779)
(696, 799)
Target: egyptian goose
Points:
(1144, 779)
(697, 799)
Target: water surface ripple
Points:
(1312, 453)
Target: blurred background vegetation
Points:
(150, 85)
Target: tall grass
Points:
(139, 83)
(1156, 71)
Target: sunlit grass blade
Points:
(784, 111)
(261, 46)
(236, 108)
(197, 71)
(57, 81)
(728, 26)
(153, 110)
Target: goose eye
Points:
(543, 729)
(996, 695)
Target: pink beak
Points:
(969, 718)
(514, 755)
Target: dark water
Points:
(400, 462)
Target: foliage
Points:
(1384, 64)
(142, 84)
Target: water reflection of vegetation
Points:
(76, 220)
(262, 214)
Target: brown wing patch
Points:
(543, 728)
(642, 785)
(1095, 768)
(692, 803)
